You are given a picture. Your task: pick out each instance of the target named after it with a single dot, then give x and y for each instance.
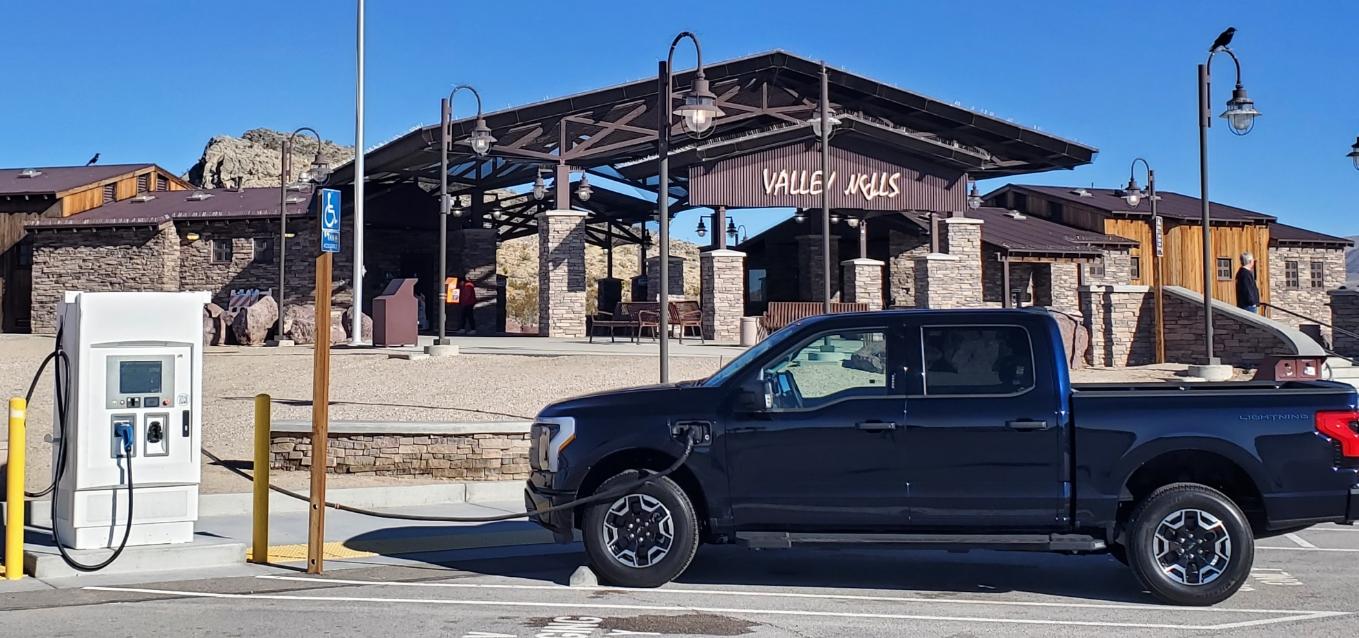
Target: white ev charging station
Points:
(134, 418)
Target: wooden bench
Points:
(634, 315)
(687, 314)
(781, 313)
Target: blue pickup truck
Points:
(944, 429)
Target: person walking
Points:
(1247, 291)
(467, 303)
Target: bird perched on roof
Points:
(1223, 39)
(93, 160)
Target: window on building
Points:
(1136, 268)
(1292, 275)
(797, 381)
(1019, 202)
(264, 250)
(110, 192)
(1318, 274)
(1224, 268)
(1055, 210)
(755, 285)
(143, 183)
(977, 360)
(1095, 269)
(221, 251)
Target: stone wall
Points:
(1121, 321)
(477, 262)
(863, 282)
(1236, 340)
(810, 272)
(1344, 314)
(473, 457)
(1305, 299)
(561, 274)
(904, 249)
(1025, 279)
(1064, 284)
(675, 289)
(245, 269)
(722, 280)
(136, 259)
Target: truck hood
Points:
(656, 397)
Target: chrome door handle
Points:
(1025, 425)
(876, 426)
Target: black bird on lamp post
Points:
(1223, 39)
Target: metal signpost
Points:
(320, 393)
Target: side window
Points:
(842, 365)
(977, 360)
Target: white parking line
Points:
(1308, 549)
(1298, 539)
(720, 610)
(773, 594)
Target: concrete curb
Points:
(390, 496)
(419, 428)
(44, 562)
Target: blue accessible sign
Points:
(330, 220)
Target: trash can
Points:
(750, 331)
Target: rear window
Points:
(977, 360)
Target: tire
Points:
(1190, 545)
(645, 538)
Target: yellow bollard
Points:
(14, 494)
(259, 544)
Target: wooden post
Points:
(320, 418)
(259, 536)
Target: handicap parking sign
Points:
(330, 220)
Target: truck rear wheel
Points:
(644, 538)
(1190, 545)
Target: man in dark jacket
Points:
(1247, 291)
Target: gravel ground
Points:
(368, 385)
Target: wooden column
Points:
(320, 418)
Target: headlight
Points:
(547, 438)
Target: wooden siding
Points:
(1140, 232)
(1184, 256)
(1073, 214)
(92, 195)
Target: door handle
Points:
(1025, 425)
(876, 426)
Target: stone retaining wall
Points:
(471, 457)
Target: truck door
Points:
(984, 430)
(825, 456)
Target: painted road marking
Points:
(771, 594)
(1308, 549)
(353, 549)
(1314, 615)
(1298, 539)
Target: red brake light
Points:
(1342, 426)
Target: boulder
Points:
(253, 323)
(1075, 338)
(347, 321)
(214, 325)
(300, 323)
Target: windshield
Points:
(775, 341)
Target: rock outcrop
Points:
(254, 159)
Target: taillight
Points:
(1343, 428)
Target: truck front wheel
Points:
(644, 538)
(1190, 545)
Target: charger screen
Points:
(139, 377)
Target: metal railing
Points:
(1323, 324)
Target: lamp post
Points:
(822, 125)
(736, 232)
(480, 141)
(1354, 154)
(1240, 116)
(315, 174)
(1133, 195)
(697, 113)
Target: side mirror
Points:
(754, 397)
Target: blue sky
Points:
(85, 76)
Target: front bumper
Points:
(560, 522)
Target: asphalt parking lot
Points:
(1302, 583)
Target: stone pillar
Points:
(1063, 280)
(952, 279)
(961, 237)
(904, 249)
(1345, 316)
(863, 282)
(561, 273)
(722, 294)
(1122, 325)
(935, 276)
(478, 264)
(809, 267)
(653, 281)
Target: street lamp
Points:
(974, 198)
(1134, 195)
(1240, 116)
(480, 141)
(583, 190)
(822, 125)
(701, 231)
(736, 232)
(1354, 153)
(314, 175)
(539, 186)
(698, 113)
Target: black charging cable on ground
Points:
(61, 374)
(691, 437)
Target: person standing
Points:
(1247, 291)
(467, 303)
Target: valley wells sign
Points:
(791, 177)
